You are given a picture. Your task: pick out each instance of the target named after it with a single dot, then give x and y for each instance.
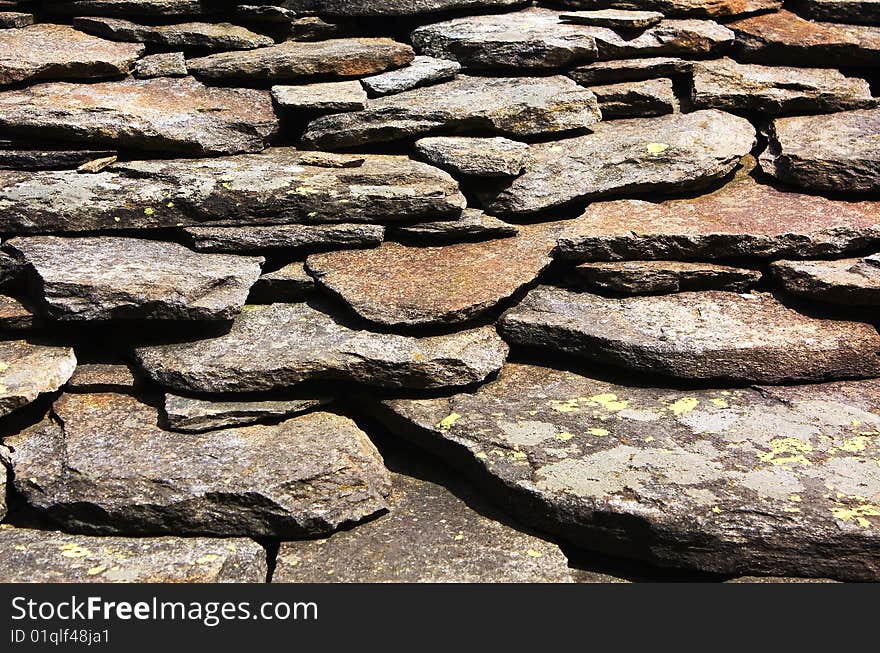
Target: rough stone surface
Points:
(36, 556)
(710, 335)
(202, 36)
(163, 115)
(398, 285)
(297, 60)
(669, 153)
(849, 282)
(725, 84)
(837, 152)
(28, 370)
(422, 71)
(617, 18)
(190, 415)
(743, 218)
(430, 535)
(474, 156)
(699, 8)
(291, 236)
(151, 8)
(241, 191)
(329, 96)
(288, 284)
(165, 64)
(652, 97)
(130, 278)
(771, 480)
(374, 8)
(844, 11)
(513, 106)
(122, 474)
(630, 70)
(41, 52)
(278, 345)
(15, 316)
(646, 277)
(472, 225)
(101, 377)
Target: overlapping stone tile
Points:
(202, 36)
(648, 277)
(848, 282)
(699, 8)
(28, 370)
(288, 236)
(629, 70)
(474, 156)
(651, 97)
(382, 8)
(422, 71)
(472, 225)
(193, 415)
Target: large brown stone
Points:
(514, 106)
(774, 480)
(398, 285)
(743, 218)
(202, 36)
(160, 115)
(28, 370)
(276, 346)
(151, 8)
(48, 52)
(121, 474)
(37, 556)
(699, 8)
(850, 282)
(298, 60)
(838, 152)
(279, 186)
(708, 335)
(670, 153)
(377, 8)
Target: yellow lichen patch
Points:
(716, 509)
(518, 455)
(532, 553)
(859, 513)
(787, 451)
(856, 444)
(795, 497)
(459, 536)
(792, 509)
(207, 559)
(481, 455)
(4, 366)
(718, 401)
(566, 406)
(73, 550)
(148, 211)
(608, 401)
(446, 423)
(656, 148)
(684, 405)
(565, 436)
(94, 571)
(650, 438)
(597, 431)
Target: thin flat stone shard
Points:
(652, 97)
(376, 8)
(697, 8)
(102, 377)
(300, 60)
(296, 237)
(475, 156)
(730, 86)
(722, 224)
(276, 346)
(176, 116)
(201, 36)
(122, 474)
(511, 106)
(237, 191)
(839, 152)
(709, 335)
(647, 277)
(39, 556)
(615, 18)
(290, 283)
(28, 370)
(629, 70)
(422, 71)
(727, 481)
(429, 535)
(15, 157)
(151, 8)
(399, 285)
(472, 225)
(107, 278)
(327, 96)
(191, 415)
(57, 52)
(669, 153)
(847, 282)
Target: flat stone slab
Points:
(474, 155)
(14, 315)
(742, 219)
(290, 236)
(202, 36)
(160, 115)
(122, 474)
(422, 71)
(709, 335)
(374, 8)
(774, 480)
(472, 225)
(669, 153)
(290, 283)
(9, 19)
(13, 156)
(849, 282)
(699, 8)
(512, 106)
(399, 285)
(327, 96)
(728, 85)
(276, 346)
(52, 52)
(151, 8)
(786, 38)
(429, 535)
(191, 415)
(630, 70)
(649, 277)
(529, 39)
(32, 556)
(838, 152)
(164, 64)
(107, 278)
(618, 18)
(28, 370)
(651, 97)
(279, 186)
(298, 60)
(844, 11)
(101, 377)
